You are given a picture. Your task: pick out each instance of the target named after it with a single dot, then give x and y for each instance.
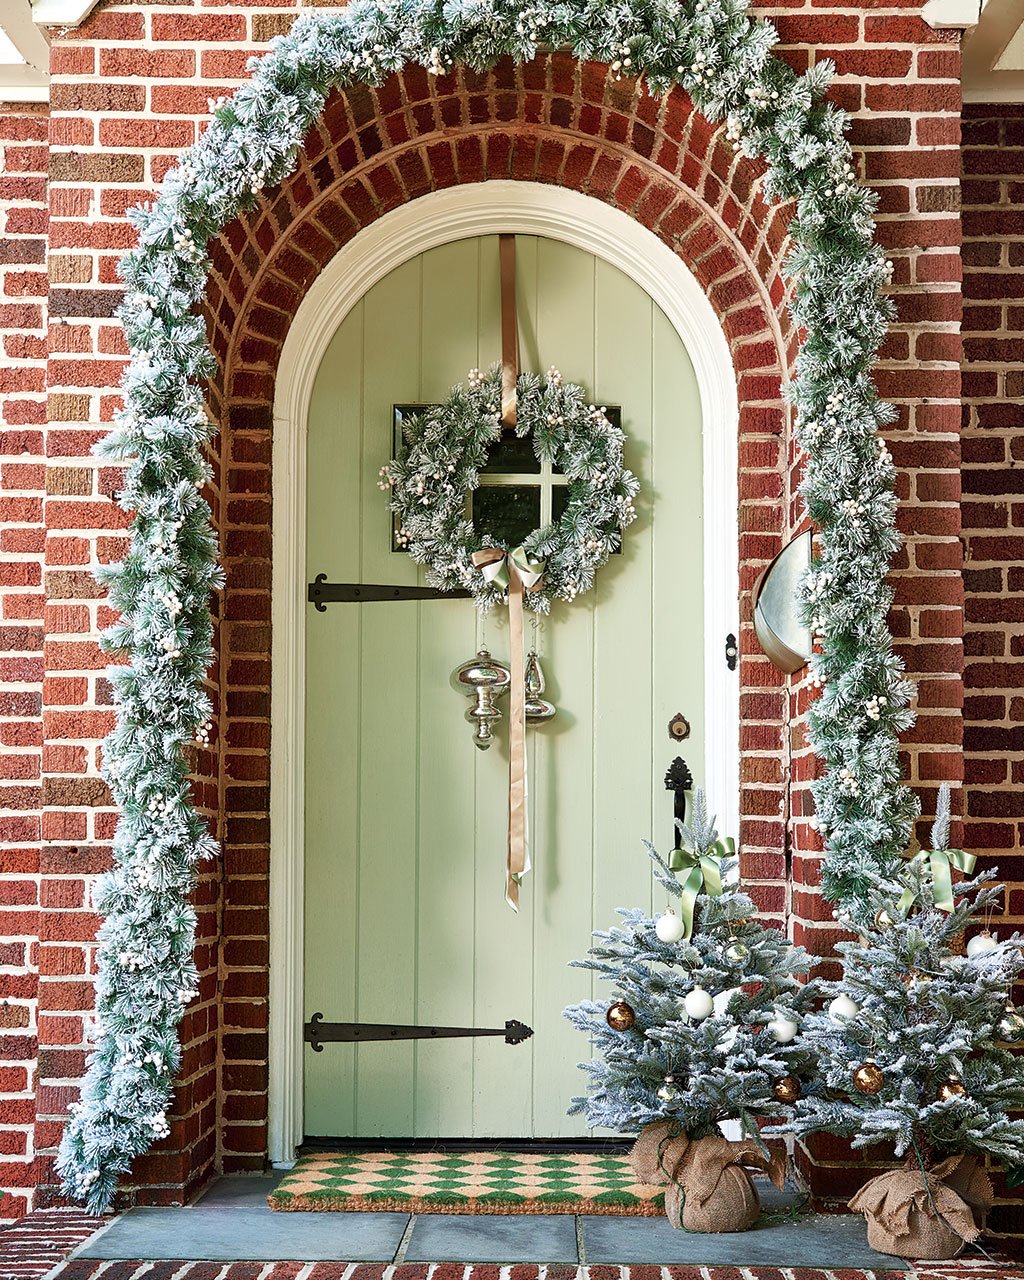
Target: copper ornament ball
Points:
(620, 1016)
(951, 1088)
(868, 1078)
(786, 1089)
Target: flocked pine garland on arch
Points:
(723, 59)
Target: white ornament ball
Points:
(842, 1009)
(669, 927)
(981, 944)
(698, 1004)
(783, 1029)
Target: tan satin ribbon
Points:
(509, 331)
(516, 570)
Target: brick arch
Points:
(553, 120)
(556, 121)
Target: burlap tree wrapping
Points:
(707, 1184)
(913, 1219)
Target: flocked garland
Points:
(723, 59)
(447, 445)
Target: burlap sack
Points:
(657, 1151)
(905, 1220)
(733, 1204)
(707, 1186)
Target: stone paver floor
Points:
(230, 1234)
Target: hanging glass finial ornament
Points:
(537, 707)
(484, 679)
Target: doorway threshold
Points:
(552, 1146)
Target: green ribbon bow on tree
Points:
(703, 872)
(942, 862)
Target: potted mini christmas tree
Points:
(912, 1051)
(703, 1027)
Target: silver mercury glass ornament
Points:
(1011, 1026)
(483, 679)
(668, 1090)
(537, 708)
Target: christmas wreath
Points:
(447, 446)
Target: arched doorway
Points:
(652, 277)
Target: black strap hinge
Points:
(317, 1033)
(321, 593)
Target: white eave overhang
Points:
(24, 55)
(61, 13)
(993, 54)
(24, 47)
(993, 45)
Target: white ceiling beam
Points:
(18, 24)
(26, 79)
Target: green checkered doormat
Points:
(466, 1182)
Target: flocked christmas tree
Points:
(703, 1024)
(913, 1048)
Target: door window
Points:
(517, 493)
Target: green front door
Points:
(405, 819)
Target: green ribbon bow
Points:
(493, 563)
(942, 862)
(703, 872)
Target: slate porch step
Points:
(233, 1223)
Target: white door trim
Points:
(457, 213)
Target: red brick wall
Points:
(901, 83)
(23, 226)
(993, 504)
(130, 89)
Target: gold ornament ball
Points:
(868, 1078)
(882, 919)
(951, 1088)
(620, 1016)
(786, 1089)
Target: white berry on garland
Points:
(446, 448)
